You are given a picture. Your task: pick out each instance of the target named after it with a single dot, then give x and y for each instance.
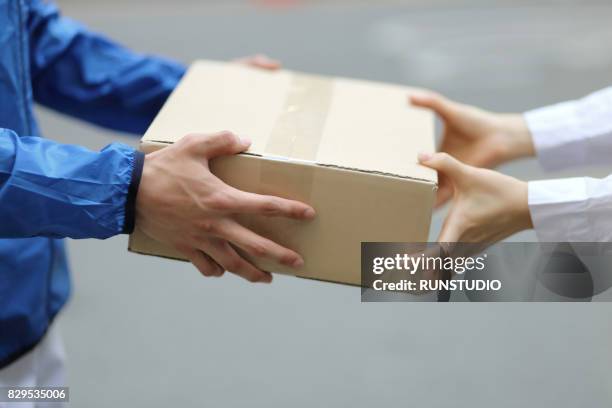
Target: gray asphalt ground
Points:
(146, 332)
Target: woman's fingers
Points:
(442, 162)
(445, 108)
(452, 172)
(451, 168)
(436, 102)
(445, 191)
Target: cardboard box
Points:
(346, 147)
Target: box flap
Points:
(360, 125)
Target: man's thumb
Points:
(217, 144)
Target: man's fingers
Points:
(436, 102)
(212, 145)
(250, 203)
(226, 256)
(258, 246)
(260, 61)
(203, 263)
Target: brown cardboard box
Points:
(346, 147)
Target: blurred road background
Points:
(146, 332)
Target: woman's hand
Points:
(488, 206)
(475, 136)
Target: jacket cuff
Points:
(130, 202)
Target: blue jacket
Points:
(50, 190)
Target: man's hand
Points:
(260, 61)
(475, 136)
(487, 207)
(181, 203)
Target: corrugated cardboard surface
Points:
(346, 147)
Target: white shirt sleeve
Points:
(572, 209)
(573, 133)
(569, 134)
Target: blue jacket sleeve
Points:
(86, 75)
(58, 190)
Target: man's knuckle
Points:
(223, 203)
(224, 246)
(207, 226)
(270, 207)
(288, 258)
(191, 139)
(183, 248)
(258, 249)
(194, 237)
(297, 210)
(234, 264)
(226, 137)
(219, 201)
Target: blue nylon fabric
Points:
(50, 190)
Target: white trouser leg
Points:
(44, 366)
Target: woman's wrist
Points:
(517, 137)
(521, 206)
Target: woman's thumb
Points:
(444, 163)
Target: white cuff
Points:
(573, 133)
(572, 210)
(556, 136)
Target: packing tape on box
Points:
(299, 128)
(298, 131)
